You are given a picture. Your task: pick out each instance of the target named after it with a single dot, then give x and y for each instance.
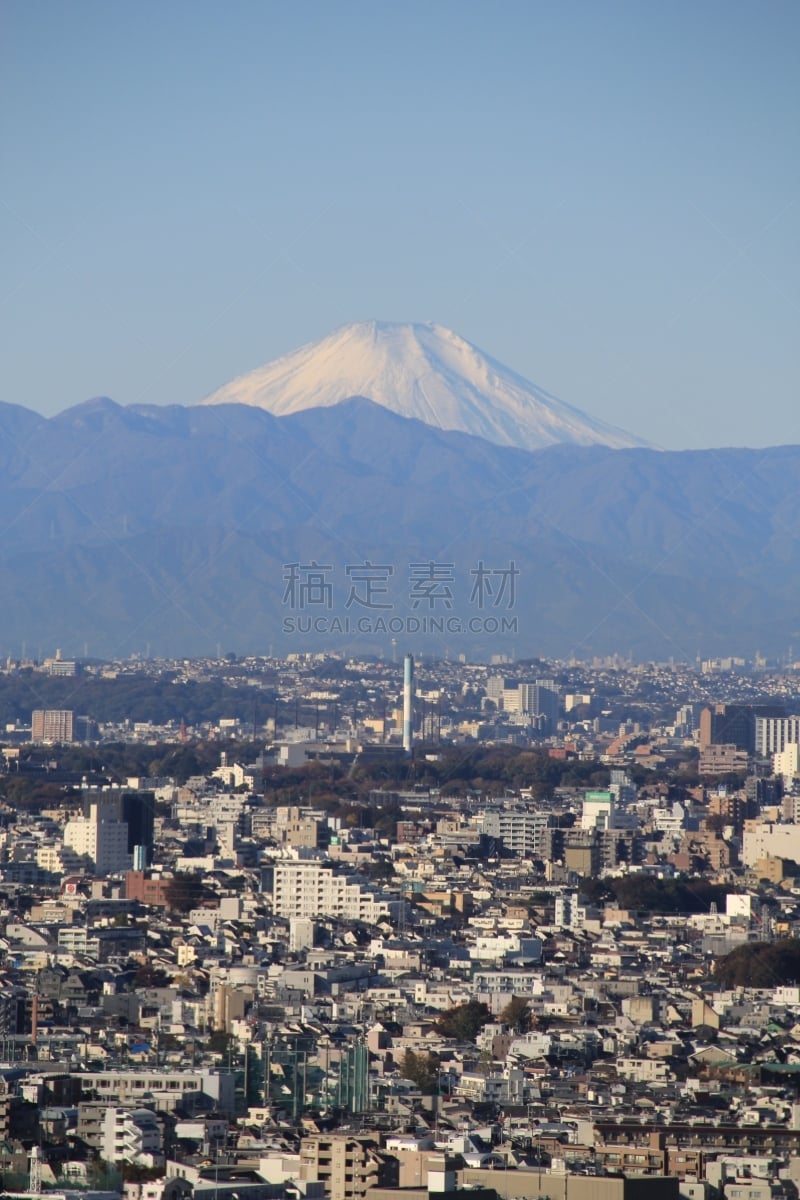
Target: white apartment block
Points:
(77, 939)
(131, 1135)
(643, 1070)
(569, 913)
(762, 839)
(59, 860)
(506, 1087)
(507, 983)
(774, 734)
(531, 699)
(211, 809)
(524, 833)
(309, 889)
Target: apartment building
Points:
(52, 725)
(348, 1166)
(308, 889)
(168, 1090)
(523, 833)
(131, 1135)
(774, 734)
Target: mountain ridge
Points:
(173, 526)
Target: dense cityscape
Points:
(371, 929)
(399, 578)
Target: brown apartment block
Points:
(52, 725)
(153, 891)
(348, 1166)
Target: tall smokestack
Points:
(408, 718)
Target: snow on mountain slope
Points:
(422, 371)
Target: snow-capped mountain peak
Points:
(422, 371)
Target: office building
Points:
(139, 814)
(622, 789)
(100, 834)
(734, 724)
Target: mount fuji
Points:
(425, 372)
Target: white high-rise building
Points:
(100, 834)
(774, 734)
(539, 699)
(762, 839)
(495, 686)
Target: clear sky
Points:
(605, 196)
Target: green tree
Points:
(219, 1042)
(517, 1014)
(760, 964)
(465, 1021)
(421, 1069)
(184, 892)
(133, 1173)
(379, 869)
(148, 976)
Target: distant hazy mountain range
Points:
(181, 528)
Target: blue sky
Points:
(605, 196)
